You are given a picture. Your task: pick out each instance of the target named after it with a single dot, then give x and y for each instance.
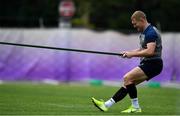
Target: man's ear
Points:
(141, 19)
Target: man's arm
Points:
(149, 51)
(136, 50)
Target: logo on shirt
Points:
(142, 37)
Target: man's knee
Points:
(128, 80)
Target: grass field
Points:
(65, 99)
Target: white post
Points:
(66, 11)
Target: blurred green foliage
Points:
(100, 15)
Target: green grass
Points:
(42, 99)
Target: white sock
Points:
(135, 103)
(109, 103)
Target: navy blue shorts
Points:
(151, 67)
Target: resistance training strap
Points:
(56, 48)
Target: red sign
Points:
(67, 8)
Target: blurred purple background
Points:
(20, 63)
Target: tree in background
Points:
(102, 14)
(83, 11)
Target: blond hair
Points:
(138, 15)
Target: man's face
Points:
(137, 24)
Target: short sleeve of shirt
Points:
(151, 37)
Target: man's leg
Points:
(135, 76)
(119, 95)
(131, 79)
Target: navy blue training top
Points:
(151, 34)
